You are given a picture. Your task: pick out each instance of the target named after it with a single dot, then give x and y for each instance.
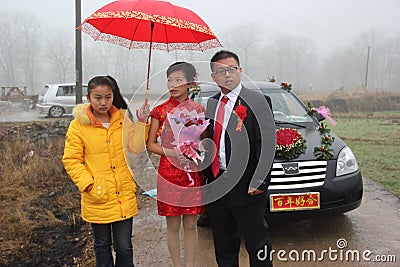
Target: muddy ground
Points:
(373, 226)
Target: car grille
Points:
(308, 174)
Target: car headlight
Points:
(346, 162)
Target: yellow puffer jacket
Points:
(95, 155)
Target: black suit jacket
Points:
(249, 152)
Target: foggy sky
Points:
(330, 24)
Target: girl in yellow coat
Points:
(94, 158)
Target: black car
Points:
(307, 183)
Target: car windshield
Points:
(286, 107)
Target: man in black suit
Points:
(243, 130)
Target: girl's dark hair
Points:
(188, 69)
(118, 100)
(223, 54)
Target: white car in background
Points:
(55, 100)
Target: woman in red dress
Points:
(178, 192)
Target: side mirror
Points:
(318, 116)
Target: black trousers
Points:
(121, 233)
(230, 223)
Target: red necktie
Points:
(217, 134)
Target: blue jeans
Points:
(121, 235)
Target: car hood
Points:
(313, 138)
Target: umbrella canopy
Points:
(149, 24)
(129, 23)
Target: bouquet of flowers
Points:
(187, 126)
(289, 143)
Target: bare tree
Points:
(9, 47)
(60, 56)
(130, 66)
(245, 40)
(360, 51)
(391, 63)
(384, 60)
(31, 29)
(96, 58)
(337, 70)
(295, 58)
(19, 47)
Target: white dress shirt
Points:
(232, 97)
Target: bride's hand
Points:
(182, 158)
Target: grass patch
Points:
(40, 207)
(375, 141)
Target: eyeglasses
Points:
(230, 70)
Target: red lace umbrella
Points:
(149, 24)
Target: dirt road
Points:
(371, 231)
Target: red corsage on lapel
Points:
(241, 113)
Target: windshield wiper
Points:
(290, 123)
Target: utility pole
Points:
(366, 71)
(78, 52)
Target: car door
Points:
(65, 97)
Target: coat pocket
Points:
(100, 192)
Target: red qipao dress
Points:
(176, 193)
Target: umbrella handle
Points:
(148, 64)
(146, 99)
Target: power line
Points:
(294, 22)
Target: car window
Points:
(60, 91)
(44, 91)
(65, 91)
(70, 90)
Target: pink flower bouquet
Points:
(187, 126)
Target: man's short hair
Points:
(222, 55)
